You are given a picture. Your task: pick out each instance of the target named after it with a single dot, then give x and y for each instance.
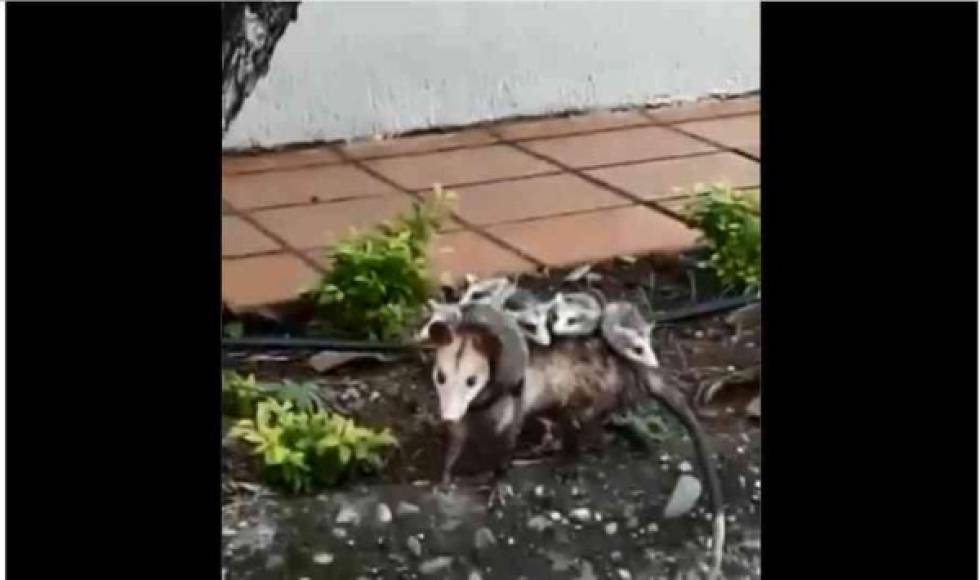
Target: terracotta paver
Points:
(530, 198)
(736, 132)
(633, 144)
(263, 280)
(322, 224)
(418, 144)
(234, 164)
(310, 198)
(239, 238)
(570, 125)
(705, 109)
(673, 177)
(300, 186)
(418, 172)
(457, 254)
(598, 235)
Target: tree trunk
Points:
(250, 31)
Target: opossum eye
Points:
(573, 320)
(440, 377)
(637, 350)
(471, 382)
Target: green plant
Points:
(240, 394)
(731, 227)
(380, 279)
(301, 451)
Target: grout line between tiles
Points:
(287, 248)
(596, 181)
(467, 225)
(713, 143)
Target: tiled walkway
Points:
(549, 192)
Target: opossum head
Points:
(464, 365)
(448, 313)
(493, 291)
(532, 319)
(575, 314)
(633, 343)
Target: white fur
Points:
(455, 395)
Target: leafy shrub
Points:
(240, 394)
(730, 223)
(380, 279)
(301, 450)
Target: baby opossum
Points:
(485, 373)
(449, 313)
(531, 315)
(620, 323)
(493, 291)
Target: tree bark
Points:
(250, 31)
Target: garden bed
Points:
(542, 532)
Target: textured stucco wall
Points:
(346, 70)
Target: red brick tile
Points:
(705, 109)
(263, 280)
(322, 224)
(673, 177)
(239, 238)
(570, 125)
(735, 132)
(418, 144)
(299, 186)
(532, 197)
(457, 254)
(419, 172)
(561, 241)
(617, 146)
(233, 164)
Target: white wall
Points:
(346, 70)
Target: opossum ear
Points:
(488, 345)
(440, 333)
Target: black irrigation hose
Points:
(705, 308)
(306, 343)
(340, 345)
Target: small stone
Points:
(483, 538)
(348, 515)
(340, 533)
(685, 495)
(539, 491)
(404, 508)
(587, 572)
(616, 556)
(580, 514)
(698, 334)
(754, 408)
(435, 565)
(555, 516)
(632, 522)
(576, 491)
(383, 513)
(652, 527)
(375, 395)
(539, 523)
(414, 546)
(611, 528)
(624, 574)
(684, 466)
(474, 575)
(598, 516)
(228, 532)
(274, 561)
(323, 558)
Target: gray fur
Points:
(628, 333)
(493, 291)
(531, 315)
(514, 352)
(576, 314)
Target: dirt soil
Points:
(598, 517)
